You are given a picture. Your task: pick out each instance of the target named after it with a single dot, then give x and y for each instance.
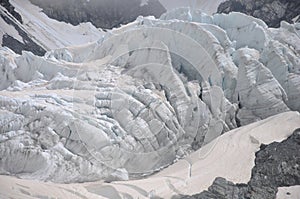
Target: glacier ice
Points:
(143, 95)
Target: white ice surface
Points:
(230, 156)
(142, 96)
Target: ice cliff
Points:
(143, 95)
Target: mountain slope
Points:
(25, 27)
(276, 165)
(37, 33)
(272, 12)
(104, 14)
(12, 33)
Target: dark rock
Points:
(271, 11)
(104, 14)
(221, 189)
(11, 10)
(12, 43)
(276, 165)
(15, 45)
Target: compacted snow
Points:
(143, 96)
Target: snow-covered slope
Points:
(51, 33)
(143, 95)
(28, 28)
(45, 32)
(230, 156)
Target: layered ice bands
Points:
(143, 95)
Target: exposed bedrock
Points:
(276, 165)
(272, 12)
(104, 14)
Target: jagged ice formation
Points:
(142, 96)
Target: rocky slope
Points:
(12, 34)
(104, 14)
(272, 12)
(11, 10)
(276, 165)
(143, 95)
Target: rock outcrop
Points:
(272, 12)
(11, 17)
(11, 9)
(105, 14)
(220, 189)
(276, 165)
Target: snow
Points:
(230, 156)
(50, 33)
(144, 2)
(292, 192)
(144, 95)
(6, 28)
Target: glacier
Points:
(143, 96)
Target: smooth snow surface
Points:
(292, 192)
(230, 156)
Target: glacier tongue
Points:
(142, 96)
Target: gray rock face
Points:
(276, 165)
(11, 10)
(220, 189)
(13, 18)
(104, 14)
(272, 12)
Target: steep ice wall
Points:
(142, 96)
